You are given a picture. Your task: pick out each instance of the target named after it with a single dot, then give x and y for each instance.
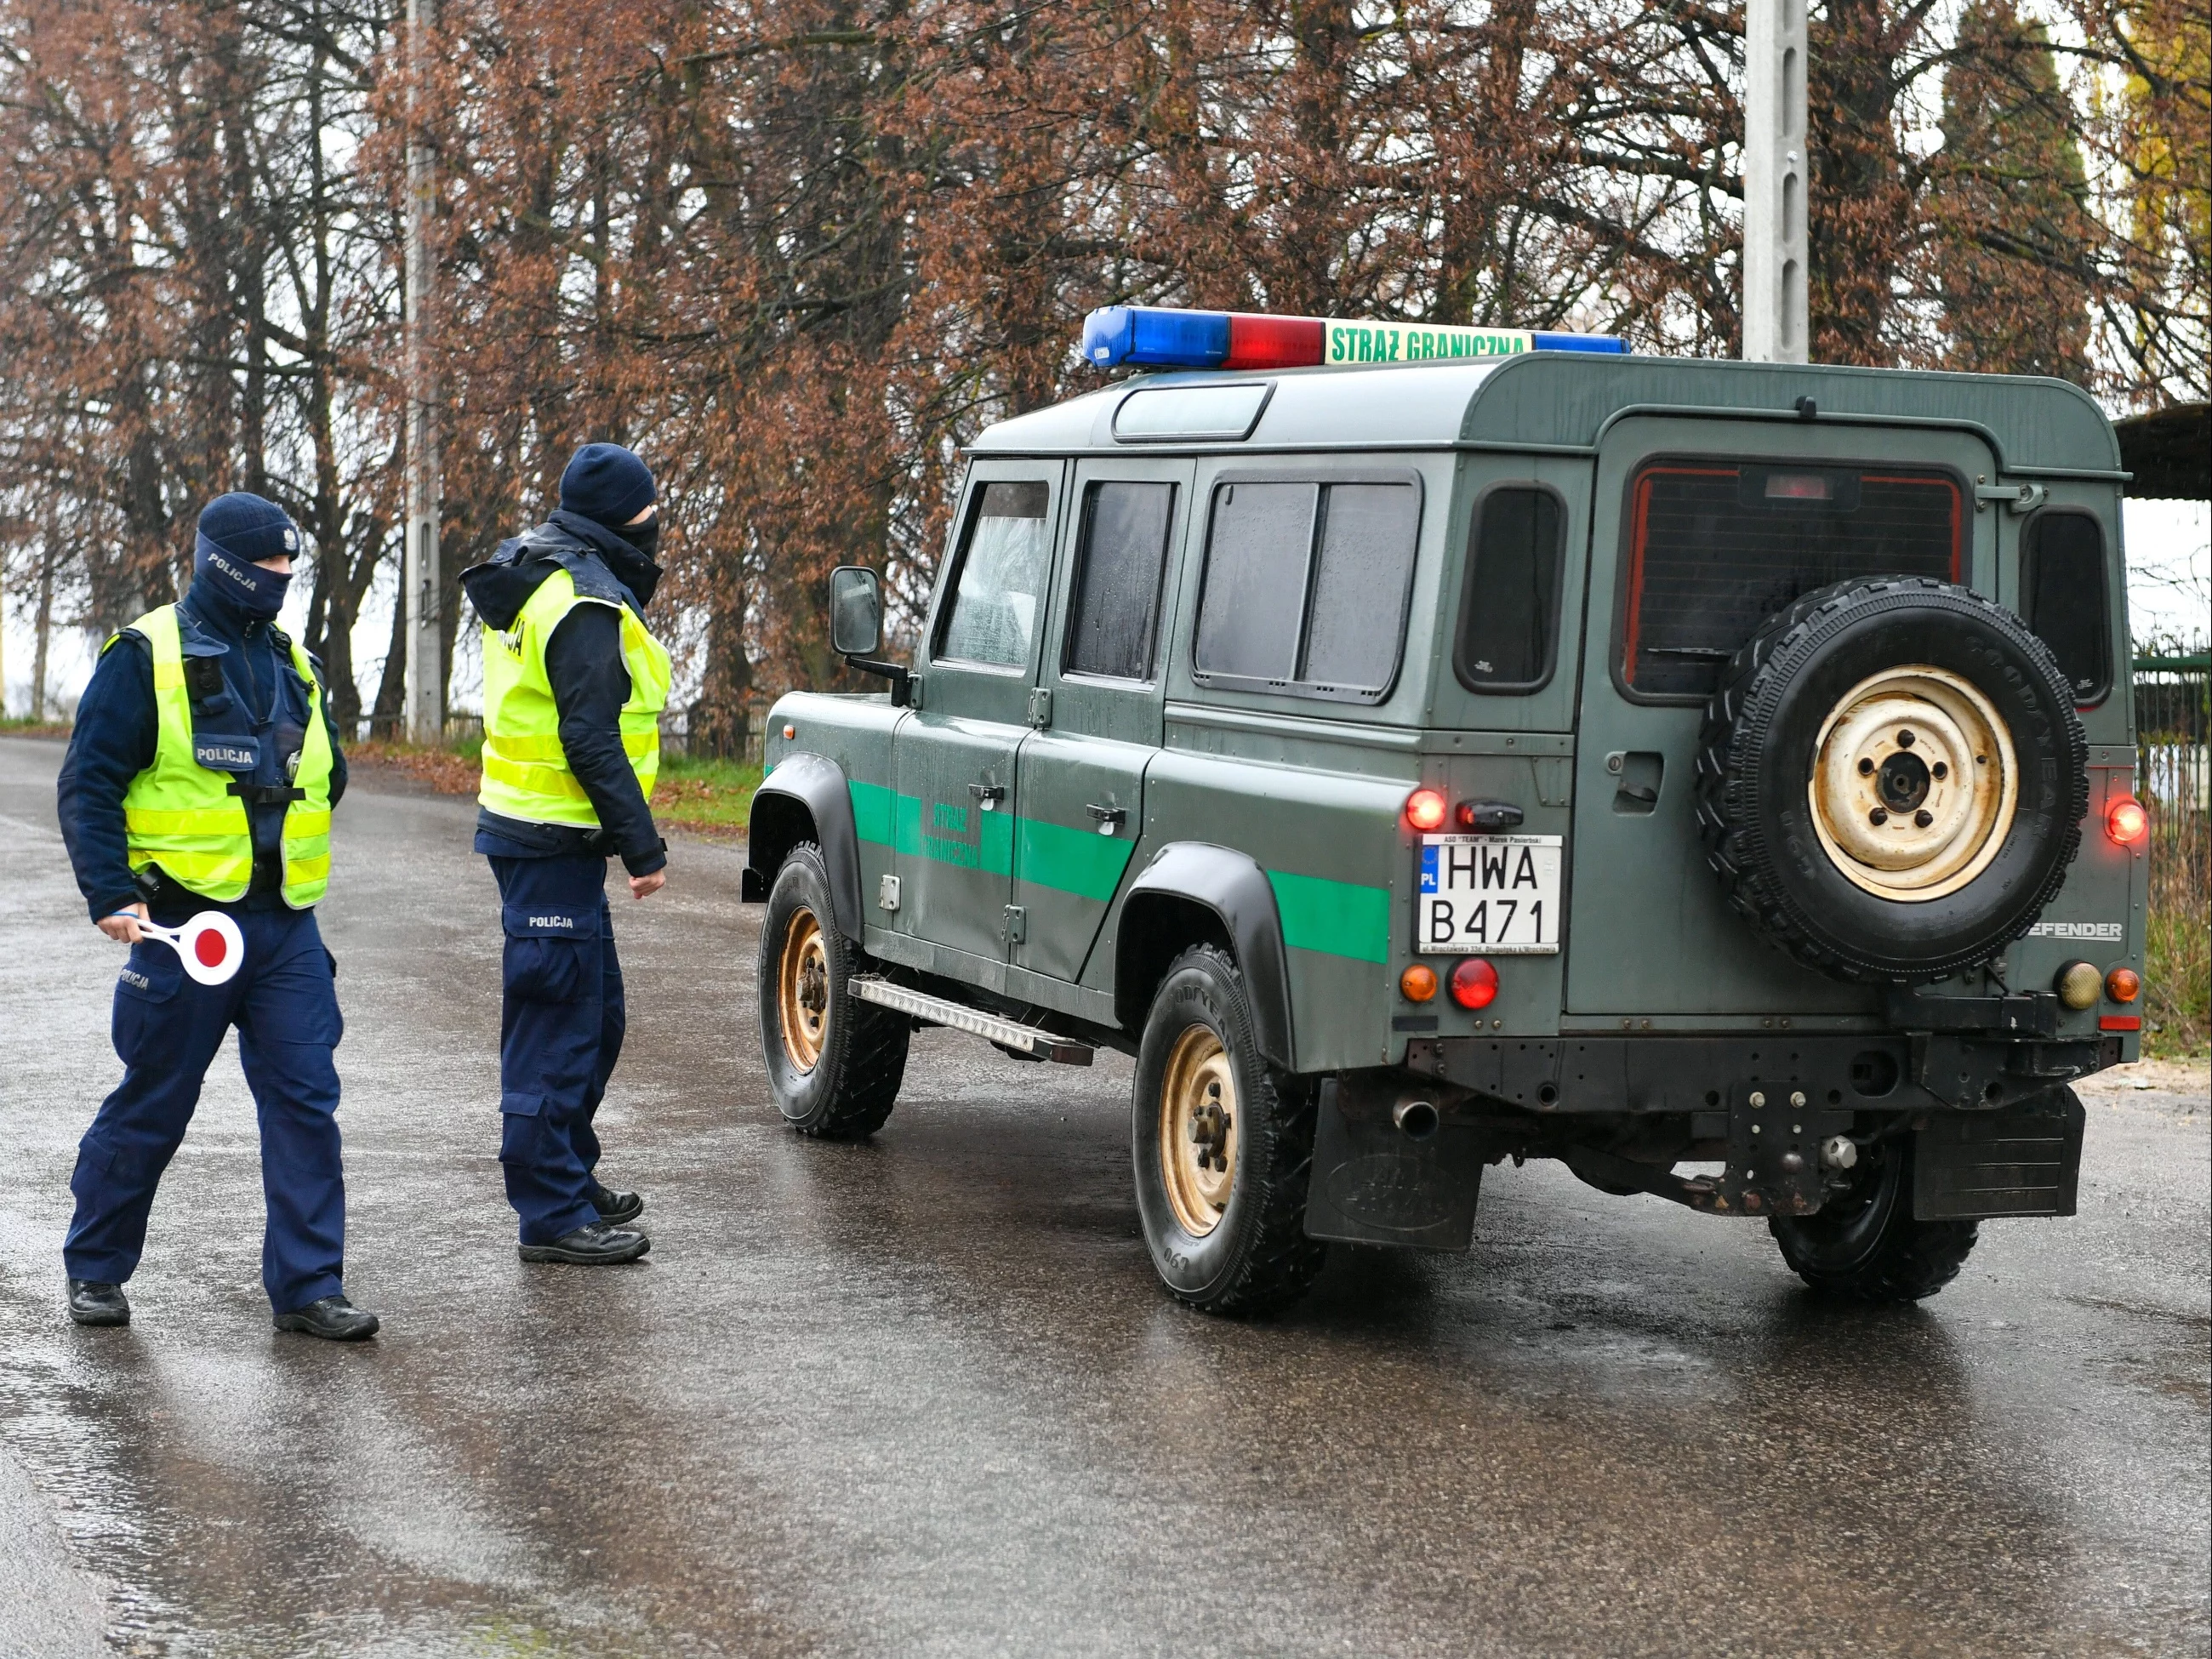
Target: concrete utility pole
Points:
(1775, 321)
(426, 632)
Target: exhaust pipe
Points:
(1416, 1119)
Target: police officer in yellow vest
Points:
(573, 687)
(201, 775)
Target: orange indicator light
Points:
(2125, 820)
(1417, 983)
(2123, 985)
(1424, 810)
(1474, 984)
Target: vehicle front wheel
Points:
(1864, 1242)
(1222, 1145)
(834, 1065)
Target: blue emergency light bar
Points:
(1160, 337)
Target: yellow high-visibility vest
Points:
(525, 770)
(182, 816)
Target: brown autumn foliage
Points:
(796, 251)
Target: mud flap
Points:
(1373, 1184)
(2023, 1161)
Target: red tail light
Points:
(1425, 810)
(2125, 820)
(1474, 984)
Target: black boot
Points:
(616, 1209)
(593, 1245)
(93, 1303)
(333, 1318)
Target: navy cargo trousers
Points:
(561, 1031)
(167, 1027)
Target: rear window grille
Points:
(1718, 547)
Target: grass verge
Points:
(22, 726)
(704, 797)
(2177, 980)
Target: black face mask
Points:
(631, 559)
(644, 538)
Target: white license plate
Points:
(1498, 894)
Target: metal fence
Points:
(2173, 717)
(2173, 720)
(676, 733)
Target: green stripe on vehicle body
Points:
(1340, 918)
(1336, 918)
(991, 851)
(873, 808)
(1079, 861)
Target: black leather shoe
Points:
(91, 1302)
(616, 1209)
(333, 1318)
(594, 1245)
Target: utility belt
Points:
(171, 903)
(267, 794)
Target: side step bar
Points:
(940, 1011)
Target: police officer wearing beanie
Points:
(573, 687)
(201, 774)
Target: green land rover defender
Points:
(1714, 775)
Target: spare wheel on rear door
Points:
(1892, 779)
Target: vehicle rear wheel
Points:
(1864, 1242)
(834, 1065)
(1222, 1145)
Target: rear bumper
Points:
(1896, 1072)
(1990, 1138)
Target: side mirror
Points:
(856, 611)
(856, 628)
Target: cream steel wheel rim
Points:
(1198, 1130)
(802, 985)
(1914, 783)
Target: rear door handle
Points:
(1110, 818)
(990, 795)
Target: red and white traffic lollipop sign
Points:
(210, 946)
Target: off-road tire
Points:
(1755, 755)
(849, 1091)
(1257, 1258)
(1865, 1244)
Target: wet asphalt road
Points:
(923, 1396)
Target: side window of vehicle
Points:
(998, 586)
(1509, 613)
(1113, 620)
(1255, 581)
(2062, 598)
(1306, 586)
(1359, 609)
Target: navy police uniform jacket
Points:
(563, 1013)
(166, 1028)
